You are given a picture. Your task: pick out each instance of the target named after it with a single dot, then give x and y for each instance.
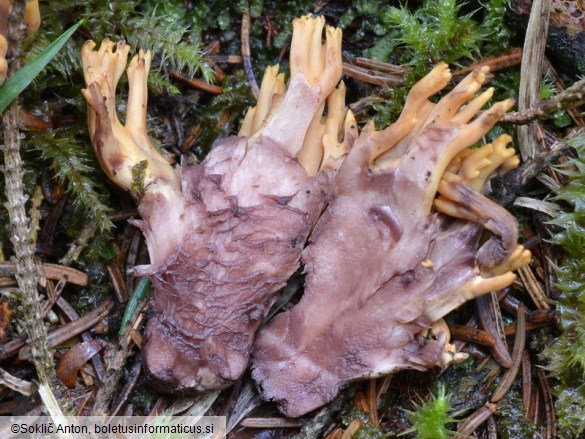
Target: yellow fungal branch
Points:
(321, 141)
(120, 148)
(32, 18)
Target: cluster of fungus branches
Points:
(395, 219)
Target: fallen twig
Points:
(572, 97)
(271, 423)
(534, 288)
(51, 271)
(495, 63)
(246, 57)
(531, 73)
(472, 335)
(70, 330)
(372, 76)
(21, 386)
(80, 243)
(197, 83)
(26, 273)
(476, 419)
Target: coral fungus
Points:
(226, 234)
(387, 260)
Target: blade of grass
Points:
(139, 295)
(21, 79)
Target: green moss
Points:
(436, 31)
(565, 356)
(74, 163)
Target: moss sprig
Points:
(72, 161)
(431, 417)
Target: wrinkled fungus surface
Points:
(226, 234)
(387, 260)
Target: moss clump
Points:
(566, 354)
(437, 31)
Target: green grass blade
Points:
(21, 79)
(139, 295)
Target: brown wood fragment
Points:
(131, 381)
(218, 72)
(228, 59)
(495, 63)
(472, 335)
(191, 137)
(31, 122)
(373, 401)
(118, 283)
(51, 271)
(511, 330)
(335, 434)
(197, 83)
(381, 66)
(54, 294)
(96, 360)
(527, 390)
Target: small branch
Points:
(372, 76)
(27, 274)
(531, 73)
(495, 63)
(570, 98)
(23, 387)
(197, 83)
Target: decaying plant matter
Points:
(32, 19)
(387, 259)
(226, 234)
